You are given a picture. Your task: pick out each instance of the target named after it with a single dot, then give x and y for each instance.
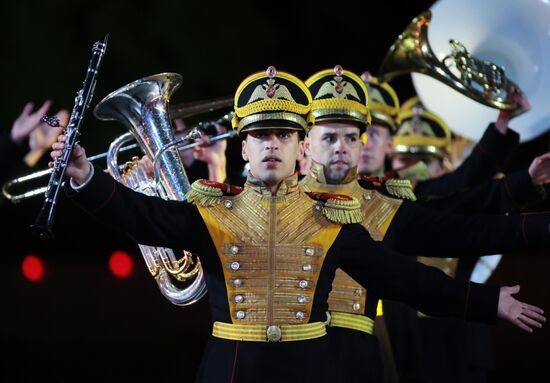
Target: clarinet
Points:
(43, 224)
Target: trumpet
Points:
(11, 189)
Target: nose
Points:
(340, 146)
(272, 142)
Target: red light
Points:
(121, 264)
(33, 268)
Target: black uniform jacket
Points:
(156, 222)
(486, 159)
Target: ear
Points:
(307, 146)
(301, 147)
(243, 150)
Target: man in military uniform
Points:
(341, 113)
(467, 355)
(269, 250)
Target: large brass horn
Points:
(510, 33)
(482, 81)
(143, 107)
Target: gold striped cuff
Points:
(261, 333)
(352, 321)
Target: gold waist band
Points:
(352, 321)
(261, 333)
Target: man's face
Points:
(272, 153)
(374, 152)
(434, 165)
(335, 145)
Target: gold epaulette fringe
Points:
(343, 211)
(400, 188)
(204, 195)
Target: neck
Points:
(318, 172)
(278, 188)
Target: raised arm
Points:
(148, 220)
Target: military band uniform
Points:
(269, 261)
(486, 159)
(401, 224)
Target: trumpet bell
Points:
(513, 34)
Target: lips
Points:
(271, 159)
(339, 161)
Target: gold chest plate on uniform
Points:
(347, 295)
(271, 249)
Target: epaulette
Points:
(210, 193)
(389, 186)
(339, 208)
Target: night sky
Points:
(80, 322)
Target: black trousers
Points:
(228, 361)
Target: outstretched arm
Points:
(421, 231)
(395, 277)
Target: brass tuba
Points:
(482, 81)
(143, 107)
(512, 33)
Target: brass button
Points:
(237, 282)
(228, 203)
(273, 334)
(306, 267)
(235, 266)
(234, 249)
(240, 314)
(303, 284)
(356, 306)
(302, 299)
(310, 251)
(300, 315)
(239, 298)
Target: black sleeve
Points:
(11, 155)
(483, 163)
(148, 220)
(513, 193)
(392, 276)
(417, 230)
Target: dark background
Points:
(82, 323)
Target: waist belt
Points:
(261, 333)
(352, 321)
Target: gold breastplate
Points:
(347, 295)
(271, 249)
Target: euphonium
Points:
(482, 81)
(143, 107)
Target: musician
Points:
(269, 250)
(207, 161)
(486, 159)
(467, 355)
(341, 113)
(28, 139)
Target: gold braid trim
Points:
(204, 195)
(400, 188)
(334, 105)
(343, 212)
(271, 105)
